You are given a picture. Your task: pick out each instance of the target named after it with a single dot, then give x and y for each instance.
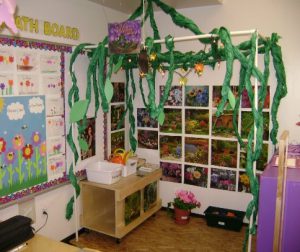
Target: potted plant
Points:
(183, 203)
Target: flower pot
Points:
(182, 217)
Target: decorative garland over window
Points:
(220, 49)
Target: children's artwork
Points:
(196, 96)
(56, 167)
(171, 172)
(144, 119)
(26, 60)
(6, 84)
(119, 92)
(125, 37)
(89, 136)
(55, 126)
(55, 146)
(116, 115)
(172, 122)
(224, 153)
(52, 85)
(223, 179)
(7, 10)
(28, 84)
(244, 183)
(175, 96)
(7, 59)
(23, 161)
(262, 161)
(148, 139)
(55, 106)
(223, 125)
(197, 121)
(194, 175)
(247, 122)
(170, 147)
(246, 102)
(196, 150)
(117, 140)
(50, 62)
(217, 96)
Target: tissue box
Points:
(104, 172)
(129, 168)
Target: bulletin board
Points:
(32, 115)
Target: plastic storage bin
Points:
(104, 172)
(224, 218)
(130, 167)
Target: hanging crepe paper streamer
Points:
(7, 10)
(78, 110)
(83, 144)
(171, 60)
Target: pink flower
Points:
(18, 142)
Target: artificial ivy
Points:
(217, 48)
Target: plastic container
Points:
(104, 172)
(224, 218)
(130, 167)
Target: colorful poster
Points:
(196, 96)
(170, 147)
(244, 183)
(217, 96)
(119, 92)
(246, 102)
(148, 139)
(55, 146)
(172, 122)
(117, 140)
(196, 150)
(6, 84)
(144, 120)
(224, 153)
(50, 62)
(55, 126)
(89, 136)
(223, 124)
(52, 85)
(223, 179)
(54, 106)
(116, 115)
(27, 60)
(194, 175)
(56, 167)
(175, 96)
(23, 151)
(7, 59)
(125, 37)
(197, 121)
(171, 172)
(262, 161)
(28, 84)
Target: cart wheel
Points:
(118, 240)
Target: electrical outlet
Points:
(27, 208)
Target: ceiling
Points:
(129, 6)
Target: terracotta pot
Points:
(182, 217)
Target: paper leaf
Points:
(161, 118)
(108, 90)
(118, 65)
(83, 144)
(78, 110)
(231, 99)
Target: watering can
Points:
(120, 156)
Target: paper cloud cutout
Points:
(36, 105)
(15, 111)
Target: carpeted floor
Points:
(160, 234)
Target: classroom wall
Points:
(267, 16)
(91, 20)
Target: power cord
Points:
(44, 213)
